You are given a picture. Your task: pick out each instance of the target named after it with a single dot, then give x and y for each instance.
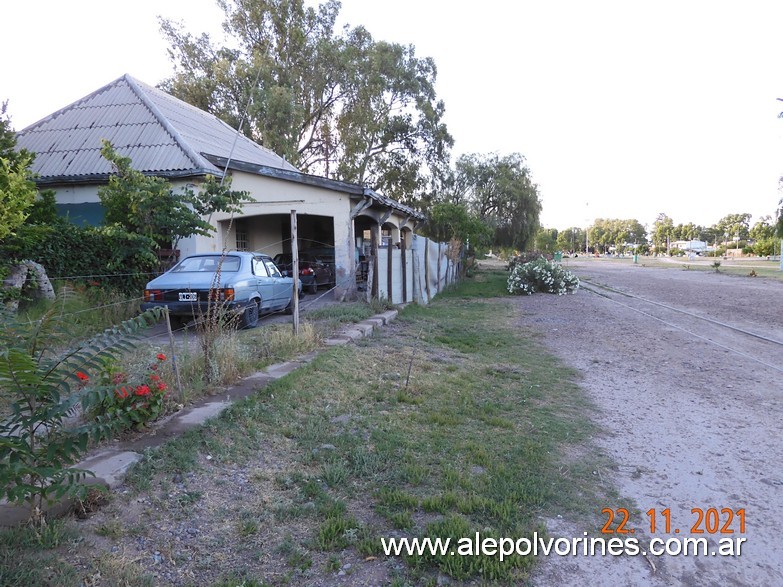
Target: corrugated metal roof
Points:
(161, 134)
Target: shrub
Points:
(541, 276)
(47, 380)
(66, 250)
(132, 403)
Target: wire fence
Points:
(348, 281)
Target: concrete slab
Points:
(353, 333)
(13, 515)
(365, 327)
(388, 316)
(376, 322)
(337, 341)
(308, 357)
(201, 414)
(282, 369)
(249, 385)
(110, 466)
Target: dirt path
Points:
(690, 423)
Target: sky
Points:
(622, 109)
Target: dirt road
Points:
(692, 414)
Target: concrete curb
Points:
(111, 465)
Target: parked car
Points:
(250, 285)
(313, 271)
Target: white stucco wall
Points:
(274, 196)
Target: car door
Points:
(265, 283)
(282, 285)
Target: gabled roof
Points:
(161, 134)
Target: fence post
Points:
(439, 256)
(427, 269)
(295, 271)
(403, 260)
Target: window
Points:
(241, 240)
(259, 268)
(270, 265)
(208, 264)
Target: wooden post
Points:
(174, 365)
(295, 271)
(403, 245)
(370, 280)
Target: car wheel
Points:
(250, 316)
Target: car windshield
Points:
(207, 264)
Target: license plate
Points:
(187, 296)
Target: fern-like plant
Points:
(45, 378)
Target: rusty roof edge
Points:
(285, 174)
(387, 201)
(197, 160)
(102, 178)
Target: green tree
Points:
(341, 105)
(546, 240)
(148, 205)
(614, 232)
(44, 210)
(447, 220)
(17, 189)
(662, 232)
(500, 190)
(571, 239)
(763, 235)
(733, 227)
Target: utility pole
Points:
(587, 232)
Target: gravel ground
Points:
(691, 413)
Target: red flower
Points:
(121, 393)
(82, 377)
(161, 357)
(154, 377)
(162, 386)
(142, 390)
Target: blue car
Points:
(250, 284)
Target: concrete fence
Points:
(416, 274)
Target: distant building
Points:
(690, 246)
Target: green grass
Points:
(478, 440)
(740, 268)
(39, 557)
